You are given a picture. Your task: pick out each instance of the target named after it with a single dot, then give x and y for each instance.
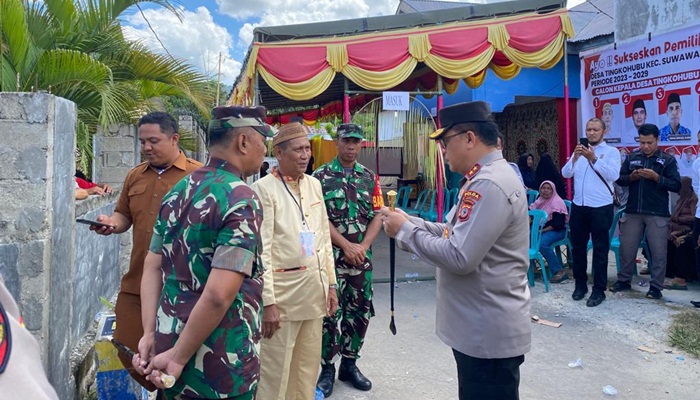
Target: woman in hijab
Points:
(554, 229)
(680, 257)
(548, 171)
(525, 163)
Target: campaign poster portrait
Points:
(653, 80)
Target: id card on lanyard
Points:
(307, 240)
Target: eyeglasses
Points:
(444, 140)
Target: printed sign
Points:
(653, 81)
(396, 101)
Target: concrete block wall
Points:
(187, 123)
(116, 152)
(37, 143)
(56, 270)
(634, 18)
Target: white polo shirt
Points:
(589, 189)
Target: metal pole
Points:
(567, 128)
(430, 92)
(218, 82)
(346, 102)
(440, 183)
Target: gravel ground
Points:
(415, 364)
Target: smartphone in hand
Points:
(93, 223)
(584, 142)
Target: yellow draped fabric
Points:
(369, 73)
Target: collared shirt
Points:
(589, 189)
(646, 196)
(348, 198)
(481, 255)
(139, 202)
(296, 284)
(211, 220)
(696, 183)
(685, 164)
(667, 134)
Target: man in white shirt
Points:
(592, 208)
(696, 225)
(685, 163)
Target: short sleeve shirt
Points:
(139, 201)
(348, 198)
(211, 220)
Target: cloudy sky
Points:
(210, 27)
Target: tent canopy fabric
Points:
(303, 66)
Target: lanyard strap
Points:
(301, 211)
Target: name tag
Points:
(308, 245)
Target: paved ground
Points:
(415, 364)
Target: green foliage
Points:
(76, 50)
(685, 332)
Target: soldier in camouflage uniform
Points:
(202, 282)
(348, 187)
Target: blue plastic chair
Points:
(612, 238)
(431, 214)
(402, 196)
(565, 241)
(419, 207)
(538, 219)
(532, 196)
(615, 244)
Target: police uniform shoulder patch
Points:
(473, 170)
(5, 339)
(469, 198)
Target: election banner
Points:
(654, 80)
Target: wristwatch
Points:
(333, 286)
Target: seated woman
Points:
(554, 229)
(680, 256)
(525, 163)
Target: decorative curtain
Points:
(303, 69)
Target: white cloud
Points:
(196, 38)
(286, 12)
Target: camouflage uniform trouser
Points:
(354, 311)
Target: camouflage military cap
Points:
(228, 117)
(350, 131)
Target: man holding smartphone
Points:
(138, 206)
(650, 174)
(595, 166)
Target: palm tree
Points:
(75, 49)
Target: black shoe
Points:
(349, 372)
(579, 293)
(620, 286)
(595, 299)
(326, 379)
(654, 293)
(696, 304)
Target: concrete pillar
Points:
(188, 124)
(36, 220)
(116, 152)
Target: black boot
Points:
(349, 372)
(326, 379)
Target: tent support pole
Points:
(567, 115)
(346, 101)
(440, 172)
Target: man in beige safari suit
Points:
(299, 281)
